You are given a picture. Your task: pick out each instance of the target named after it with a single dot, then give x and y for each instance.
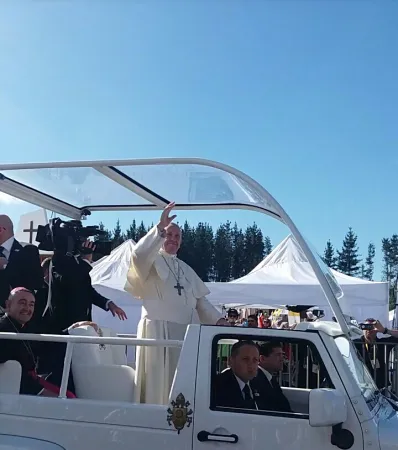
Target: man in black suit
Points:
(19, 266)
(233, 388)
(271, 362)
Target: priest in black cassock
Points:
(20, 307)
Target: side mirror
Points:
(328, 407)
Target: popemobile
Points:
(344, 410)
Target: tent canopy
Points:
(285, 277)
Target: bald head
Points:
(173, 239)
(6, 228)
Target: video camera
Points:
(67, 237)
(367, 326)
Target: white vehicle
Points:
(346, 411)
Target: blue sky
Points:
(301, 95)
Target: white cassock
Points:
(154, 277)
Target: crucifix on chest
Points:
(178, 287)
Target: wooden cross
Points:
(179, 287)
(30, 230)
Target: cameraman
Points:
(376, 351)
(73, 294)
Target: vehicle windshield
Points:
(358, 369)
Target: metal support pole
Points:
(66, 370)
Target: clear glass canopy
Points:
(105, 185)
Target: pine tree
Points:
(238, 249)
(203, 250)
(105, 235)
(267, 246)
(141, 231)
(369, 263)
(117, 235)
(187, 248)
(131, 233)
(254, 247)
(390, 266)
(329, 257)
(348, 261)
(223, 251)
(390, 257)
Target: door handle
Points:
(205, 436)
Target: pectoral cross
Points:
(30, 230)
(178, 287)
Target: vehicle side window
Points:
(269, 376)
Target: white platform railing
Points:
(71, 340)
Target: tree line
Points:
(230, 252)
(224, 254)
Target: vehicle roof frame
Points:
(111, 169)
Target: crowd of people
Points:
(266, 319)
(56, 295)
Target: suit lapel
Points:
(15, 249)
(265, 378)
(235, 384)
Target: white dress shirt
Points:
(242, 385)
(7, 245)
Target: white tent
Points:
(108, 277)
(285, 277)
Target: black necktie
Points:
(249, 401)
(2, 255)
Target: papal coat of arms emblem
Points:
(179, 414)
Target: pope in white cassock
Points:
(173, 296)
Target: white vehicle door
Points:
(243, 429)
